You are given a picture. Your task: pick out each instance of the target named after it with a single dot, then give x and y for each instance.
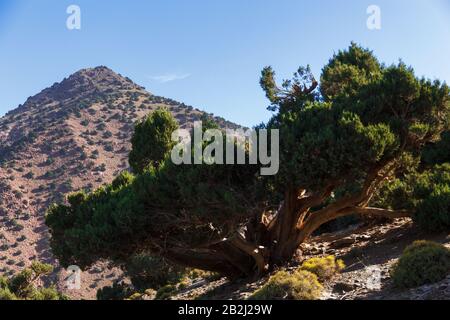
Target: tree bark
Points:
(250, 255)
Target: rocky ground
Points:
(368, 252)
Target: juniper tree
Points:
(152, 140)
(340, 141)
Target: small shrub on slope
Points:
(324, 268)
(166, 292)
(22, 286)
(300, 285)
(423, 262)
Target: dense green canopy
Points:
(165, 206)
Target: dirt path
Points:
(370, 258)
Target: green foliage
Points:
(147, 212)
(324, 268)
(124, 179)
(433, 213)
(135, 296)
(426, 193)
(150, 272)
(40, 269)
(208, 122)
(207, 275)
(147, 272)
(6, 294)
(22, 286)
(423, 262)
(359, 126)
(118, 291)
(300, 285)
(349, 71)
(164, 293)
(152, 141)
(47, 294)
(438, 152)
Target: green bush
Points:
(426, 194)
(166, 292)
(421, 263)
(6, 294)
(135, 296)
(118, 291)
(433, 213)
(324, 268)
(22, 286)
(123, 179)
(439, 152)
(152, 140)
(149, 272)
(300, 285)
(46, 294)
(207, 275)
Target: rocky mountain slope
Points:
(74, 135)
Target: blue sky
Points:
(209, 53)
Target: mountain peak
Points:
(102, 75)
(87, 82)
(72, 136)
(100, 79)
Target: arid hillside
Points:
(74, 135)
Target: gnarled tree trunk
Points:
(278, 240)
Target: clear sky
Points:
(209, 53)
